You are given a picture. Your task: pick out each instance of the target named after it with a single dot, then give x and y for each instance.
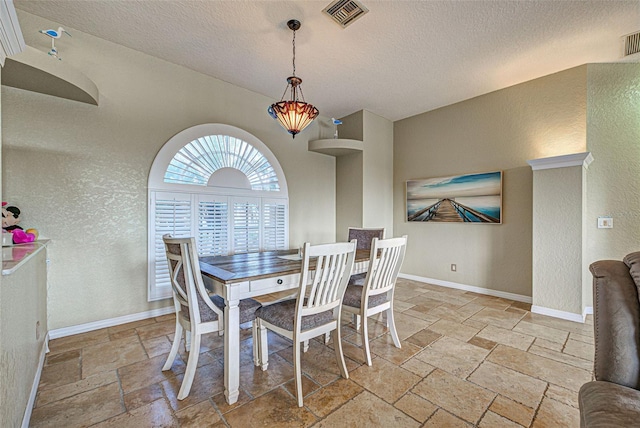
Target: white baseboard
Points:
(111, 322)
(569, 316)
(588, 310)
(34, 386)
(472, 288)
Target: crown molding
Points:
(576, 159)
(11, 40)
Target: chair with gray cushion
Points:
(197, 313)
(613, 399)
(316, 309)
(364, 236)
(376, 295)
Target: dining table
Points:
(239, 276)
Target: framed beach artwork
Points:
(469, 198)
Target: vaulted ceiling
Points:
(400, 59)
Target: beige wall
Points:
(352, 126)
(349, 194)
(613, 179)
(377, 183)
(79, 172)
(349, 178)
(497, 131)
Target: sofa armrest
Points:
(607, 405)
(616, 324)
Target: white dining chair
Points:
(197, 312)
(376, 295)
(317, 307)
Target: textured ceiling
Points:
(400, 59)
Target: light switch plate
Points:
(605, 223)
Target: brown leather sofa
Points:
(613, 399)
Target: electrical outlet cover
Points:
(605, 223)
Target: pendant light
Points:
(294, 114)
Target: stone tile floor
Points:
(466, 360)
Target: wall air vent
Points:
(632, 43)
(345, 12)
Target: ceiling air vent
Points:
(632, 43)
(345, 12)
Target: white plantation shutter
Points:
(221, 225)
(170, 213)
(192, 193)
(198, 160)
(274, 225)
(246, 225)
(213, 225)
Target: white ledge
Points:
(15, 256)
(576, 159)
(336, 146)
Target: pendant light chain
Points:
(294, 52)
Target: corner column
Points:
(559, 190)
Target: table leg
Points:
(231, 350)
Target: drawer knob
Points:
(279, 281)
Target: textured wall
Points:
(349, 176)
(22, 305)
(377, 185)
(497, 131)
(79, 172)
(613, 179)
(557, 238)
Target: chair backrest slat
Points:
(386, 260)
(329, 280)
(334, 263)
(383, 275)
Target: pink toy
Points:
(20, 236)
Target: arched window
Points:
(221, 185)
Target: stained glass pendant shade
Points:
(294, 114)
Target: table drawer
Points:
(277, 283)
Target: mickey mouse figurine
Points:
(10, 222)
